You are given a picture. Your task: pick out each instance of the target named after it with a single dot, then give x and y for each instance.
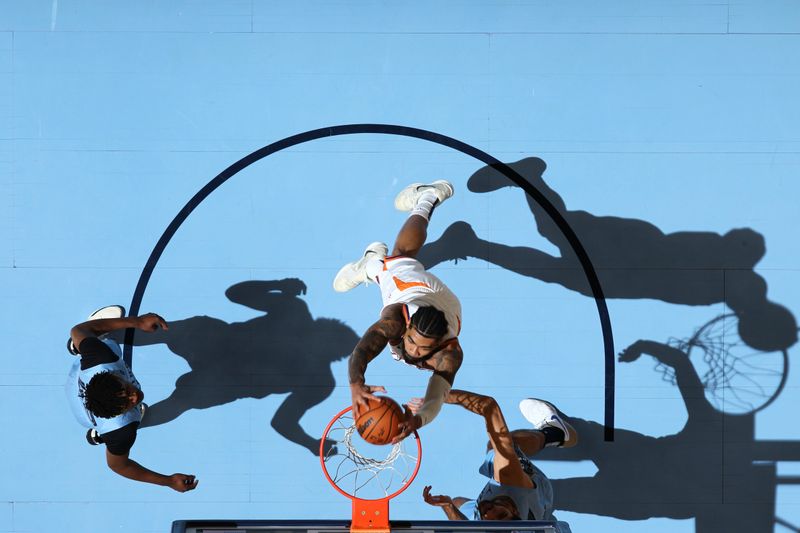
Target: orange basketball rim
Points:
(369, 475)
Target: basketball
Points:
(377, 423)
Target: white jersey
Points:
(404, 280)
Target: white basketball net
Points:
(370, 472)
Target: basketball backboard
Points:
(343, 526)
(370, 477)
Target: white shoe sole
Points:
(541, 413)
(354, 274)
(109, 311)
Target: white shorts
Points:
(404, 280)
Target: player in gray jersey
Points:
(516, 490)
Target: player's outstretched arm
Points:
(390, 326)
(127, 467)
(447, 504)
(428, 408)
(94, 328)
(446, 364)
(507, 468)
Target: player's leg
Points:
(530, 441)
(420, 199)
(109, 311)
(411, 236)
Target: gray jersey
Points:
(532, 504)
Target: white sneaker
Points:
(354, 274)
(109, 311)
(542, 414)
(407, 198)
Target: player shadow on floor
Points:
(282, 351)
(713, 470)
(633, 259)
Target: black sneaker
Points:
(71, 347)
(93, 437)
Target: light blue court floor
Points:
(664, 133)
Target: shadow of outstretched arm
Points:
(688, 381)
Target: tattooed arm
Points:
(390, 326)
(507, 468)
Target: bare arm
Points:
(95, 328)
(445, 365)
(446, 503)
(127, 467)
(390, 326)
(507, 468)
(453, 513)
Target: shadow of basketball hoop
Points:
(713, 470)
(737, 378)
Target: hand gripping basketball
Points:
(362, 394)
(409, 425)
(381, 421)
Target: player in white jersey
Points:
(420, 319)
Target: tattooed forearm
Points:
(357, 365)
(371, 344)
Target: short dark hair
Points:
(507, 502)
(105, 395)
(430, 322)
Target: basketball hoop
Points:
(367, 474)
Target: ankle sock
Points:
(425, 204)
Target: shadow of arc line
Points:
(390, 129)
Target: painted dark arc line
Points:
(426, 135)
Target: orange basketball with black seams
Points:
(377, 423)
